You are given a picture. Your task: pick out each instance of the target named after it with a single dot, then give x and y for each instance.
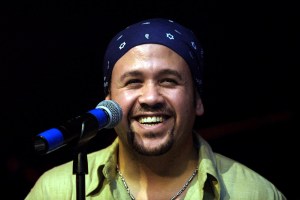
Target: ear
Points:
(107, 97)
(199, 105)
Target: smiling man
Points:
(153, 69)
(154, 87)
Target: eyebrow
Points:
(160, 73)
(131, 73)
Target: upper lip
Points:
(138, 117)
(152, 114)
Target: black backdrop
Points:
(51, 54)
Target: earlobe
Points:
(107, 97)
(199, 105)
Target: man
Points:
(153, 70)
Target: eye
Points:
(169, 82)
(133, 82)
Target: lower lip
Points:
(154, 127)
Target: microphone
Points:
(80, 129)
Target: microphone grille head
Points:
(114, 111)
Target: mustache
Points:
(156, 108)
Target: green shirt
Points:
(218, 178)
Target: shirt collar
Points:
(105, 164)
(106, 167)
(208, 170)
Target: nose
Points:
(151, 95)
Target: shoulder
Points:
(59, 182)
(64, 172)
(241, 181)
(54, 183)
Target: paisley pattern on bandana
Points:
(156, 31)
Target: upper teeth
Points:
(150, 119)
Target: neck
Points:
(147, 175)
(176, 161)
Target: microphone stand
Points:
(80, 162)
(80, 168)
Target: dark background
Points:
(51, 55)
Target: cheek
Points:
(184, 102)
(125, 100)
(123, 97)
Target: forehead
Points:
(150, 57)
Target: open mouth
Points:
(151, 120)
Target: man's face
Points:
(154, 87)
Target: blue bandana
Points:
(156, 31)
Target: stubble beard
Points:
(143, 150)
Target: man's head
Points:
(152, 73)
(156, 31)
